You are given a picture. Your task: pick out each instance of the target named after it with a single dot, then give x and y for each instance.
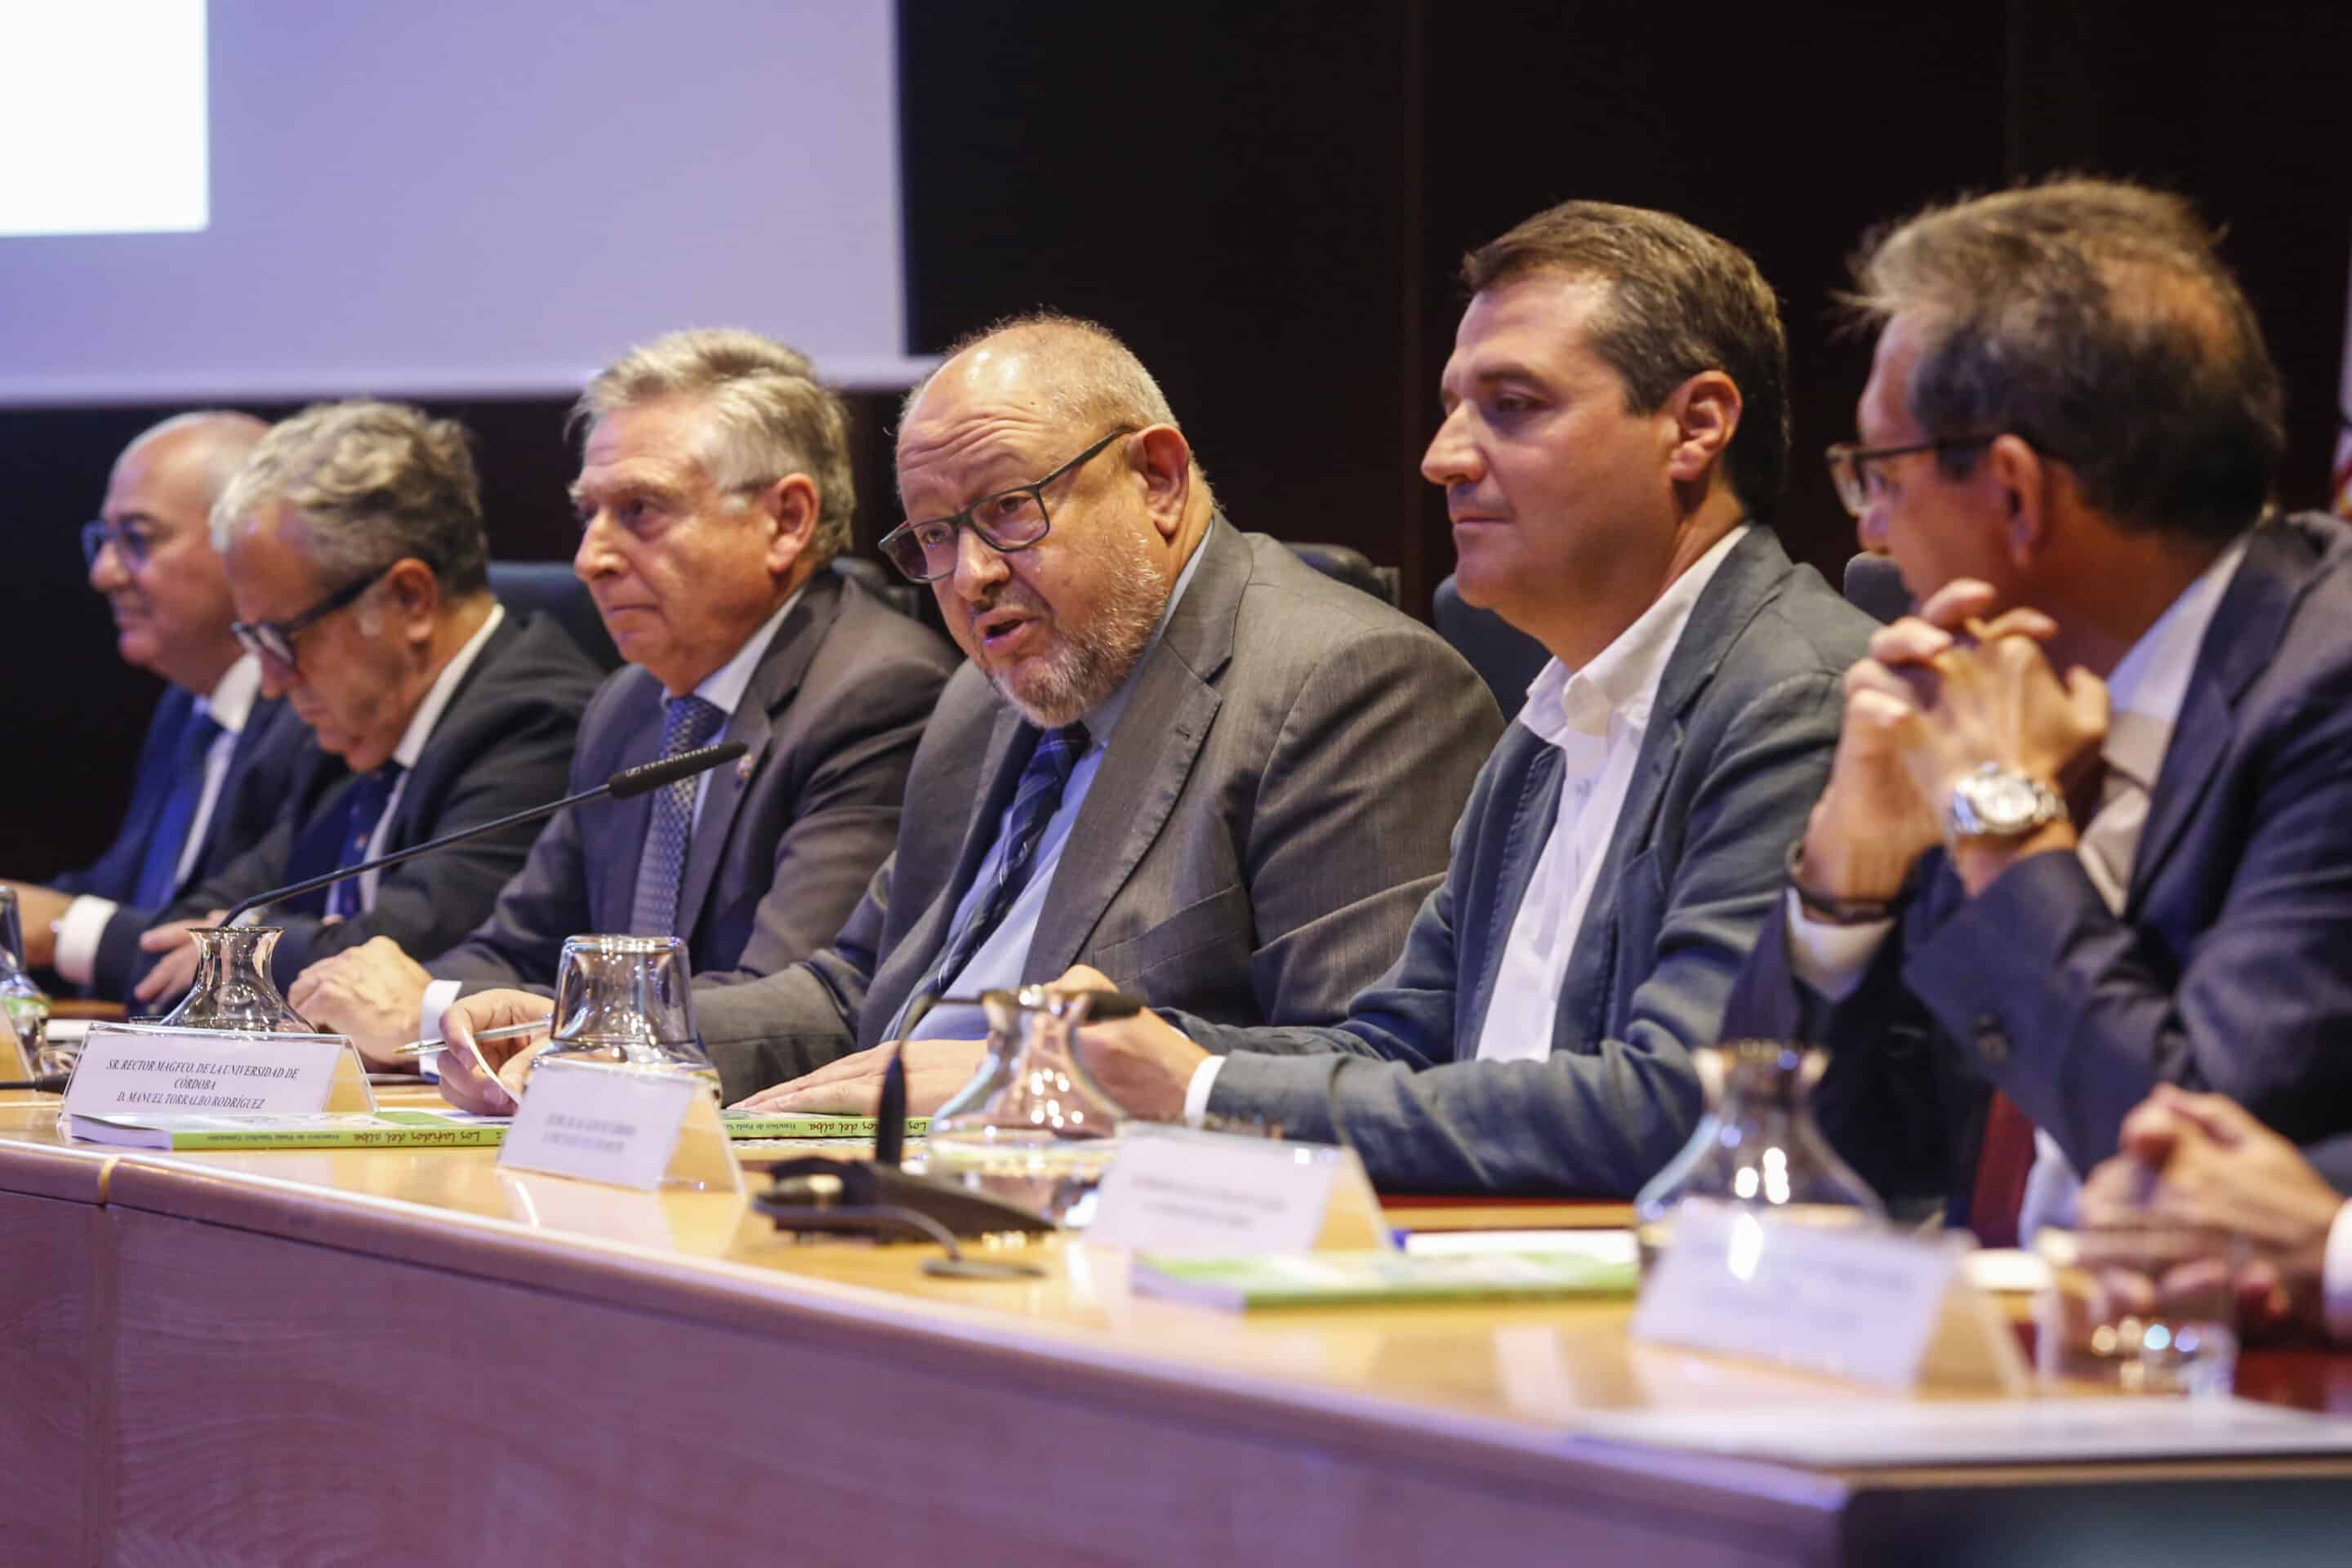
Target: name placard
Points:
(627, 1127)
(130, 1068)
(1863, 1302)
(1183, 1193)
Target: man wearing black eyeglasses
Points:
(358, 568)
(217, 762)
(2089, 829)
(1177, 752)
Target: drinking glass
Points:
(626, 1000)
(2147, 1308)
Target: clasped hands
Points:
(1942, 693)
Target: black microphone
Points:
(628, 782)
(48, 1083)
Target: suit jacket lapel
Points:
(1151, 754)
(413, 789)
(2243, 635)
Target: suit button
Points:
(1990, 1040)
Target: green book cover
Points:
(747, 1124)
(1345, 1278)
(385, 1130)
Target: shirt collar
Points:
(723, 687)
(445, 686)
(230, 702)
(1621, 680)
(2151, 681)
(1103, 717)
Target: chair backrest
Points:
(1352, 567)
(1874, 584)
(885, 585)
(548, 588)
(1505, 658)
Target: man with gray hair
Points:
(359, 572)
(714, 491)
(1177, 754)
(215, 771)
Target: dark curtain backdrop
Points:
(1268, 203)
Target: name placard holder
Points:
(1857, 1302)
(130, 1069)
(1178, 1193)
(13, 1063)
(624, 1126)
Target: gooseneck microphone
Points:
(622, 785)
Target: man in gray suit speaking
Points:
(1177, 754)
(1615, 432)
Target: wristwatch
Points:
(1995, 801)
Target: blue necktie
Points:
(362, 810)
(1034, 801)
(159, 872)
(661, 867)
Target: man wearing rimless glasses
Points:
(216, 765)
(359, 572)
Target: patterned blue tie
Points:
(1034, 801)
(661, 867)
(362, 810)
(159, 871)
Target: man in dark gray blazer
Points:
(714, 489)
(1177, 754)
(360, 572)
(1615, 428)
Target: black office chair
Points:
(1874, 584)
(907, 598)
(1352, 567)
(1505, 658)
(548, 588)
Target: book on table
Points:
(417, 1128)
(1346, 1277)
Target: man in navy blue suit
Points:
(214, 768)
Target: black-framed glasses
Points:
(131, 541)
(274, 640)
(1861, 487)
(1008, 520)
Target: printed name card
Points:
(1860, 1302)
(627, 1127)
(129, 1068)
(1182, 1194)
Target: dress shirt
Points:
(420, 731)
(2144, 696)
(998, 962)
(230, 705)
(1595, 717)
(2335, 1277)
(723, 689)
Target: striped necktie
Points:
(363, 805)
(661, 865)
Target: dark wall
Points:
(1268, 203)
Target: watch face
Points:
(2002, 803)
(2007, 801)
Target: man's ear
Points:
(788, 509)
(2021, 481)
(413, 595)
(1162, 460)
(1706, 411)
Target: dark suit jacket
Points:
(787, 838)
(1738, 746)
(2229, 968)
(504, 743)
(1266, 817)
(273, 771)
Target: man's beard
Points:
(1088, 661)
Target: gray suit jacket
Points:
(1269, 812)
(786, 839)
(1737, 747)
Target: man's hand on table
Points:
(371, 992)
(463, 1083)
(176, 970)
(1144, 1062)
(37, 909)
(851, 1086)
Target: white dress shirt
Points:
(2144, 695)
(230, 703)
(419, 731)
(1595, 718)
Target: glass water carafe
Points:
(1031, 1127)
(1756, 1145)
(27, 1005)
(233, 989)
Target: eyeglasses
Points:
(1860, 487)
(1008, 520)
(131, 543)
(274, 640)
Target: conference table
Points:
(413, 1356)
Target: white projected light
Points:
(102, 122)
